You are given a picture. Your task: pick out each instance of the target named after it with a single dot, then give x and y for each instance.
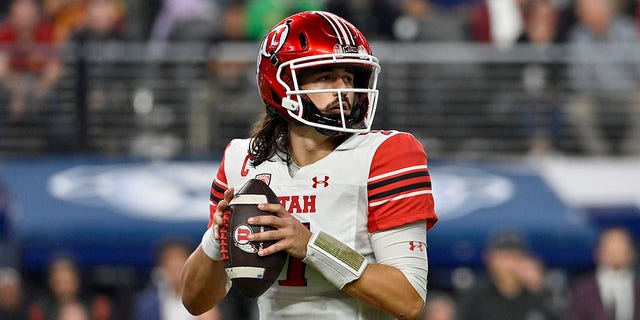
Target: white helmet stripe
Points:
(345, 29)
(335, 24)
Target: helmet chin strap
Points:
(313, 114)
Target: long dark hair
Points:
(269, 137)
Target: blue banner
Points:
(113, 212)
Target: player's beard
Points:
(346, 105)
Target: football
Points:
(250, 274)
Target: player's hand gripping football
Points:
(290, 235)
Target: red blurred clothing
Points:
(481, 24)
(29, 53)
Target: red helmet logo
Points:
(274, 41)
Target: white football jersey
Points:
(371, 182)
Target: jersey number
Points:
(295, 271)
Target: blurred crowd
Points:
(518, 285)
(514, 285)
(601, 105)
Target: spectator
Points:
(424, 20)
(104, 22)
(101, 89)
(72, 310)
(233, 26)
(426, 86)
(162, 300)
(29, 63)
(550, 289)
(505, 297)
(13, 302)
(439, 306)
(104, 26)
(497, 21)
(231, 82)
(65, 286)
(612, 291)
(188, 21)
(605, 110)
(538, 91)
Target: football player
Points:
(356, 203)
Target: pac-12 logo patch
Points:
(241, 239)
(265, 177)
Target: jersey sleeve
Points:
(399, 185)
(218, 187)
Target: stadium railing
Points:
(161, 101)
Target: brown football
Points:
(250, 274)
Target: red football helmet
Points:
(317, 39)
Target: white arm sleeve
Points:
(405, 248)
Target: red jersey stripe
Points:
(399, 185)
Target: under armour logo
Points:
(324, 183)
(413, 245)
